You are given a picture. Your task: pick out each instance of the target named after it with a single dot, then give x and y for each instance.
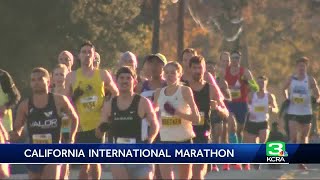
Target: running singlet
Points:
(44, 124)
(89, 104)
(126, 124)
(239, 89)
(173, 128)
(259, 108)
(6, 118)
(202, 99)
(300, 97)
(148, 93)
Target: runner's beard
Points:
(197, 77)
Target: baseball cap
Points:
(160, 56)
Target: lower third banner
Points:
(272, 152)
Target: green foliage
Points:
(34, 32)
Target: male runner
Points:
(86, 87)
(9, 98)
(42, 114)
(240, 81)
(148, 87)
(204, 94)
(299, 112)
(124, 115)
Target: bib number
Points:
(89, 103)
(202, 118)
(42, 139)
(298, 99)
(171, 121)
(121, 140)
(259, 109)
(235, 93)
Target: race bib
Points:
(235, 93)
(298, 99)
(259, 109)
(121, 140)
(42, 139)
(89, 103)
(171, 121)
(202, 117)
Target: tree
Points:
(156, 26)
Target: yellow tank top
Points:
(7, 118)
(89, 104)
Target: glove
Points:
(76, 94)
(253, 85)
(169, 108)
(104, 127)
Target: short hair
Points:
(303, 59)
(41, 70)
(175, 65)
(130, 55)
(62, 66)
(190, 50)
(236, 52)
(196, 60)
(263, 77)
(126, 69)
(87, 43)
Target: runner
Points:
(41, 113)
(128, 59)
(257, 123)
(145, 72)
(220, 125)
(4, 168)
(96, 61)
(9, 98)
(66, 58)
(133, 108)
(86, 87)
(240, 81)
(59, 77)
(147, 89)
(187, 54)
(204, 96)
(300, 110)
(178, 112)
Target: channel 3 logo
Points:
(276, 149)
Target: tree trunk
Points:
(180, 29)
(156, 26)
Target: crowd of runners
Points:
(197, 101)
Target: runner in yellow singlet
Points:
(87, 86)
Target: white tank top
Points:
(173, 128)
(145, 125)
(259, 108)
(300, 97)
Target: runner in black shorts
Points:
(299, 112)
(125, 113)
(42, 115)
(203, 95)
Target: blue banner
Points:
(274, 152)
